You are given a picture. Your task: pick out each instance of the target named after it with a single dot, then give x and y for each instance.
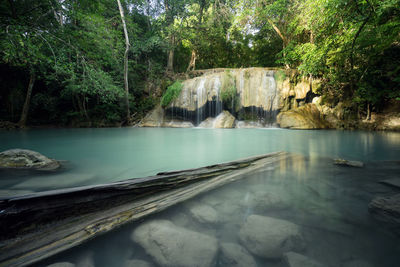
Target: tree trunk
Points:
(127, 45)
(170, 63)
(192, 63)
(368, 111)
(284, 39)
(25, 109)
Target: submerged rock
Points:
(392, 182)
(26, 159)
(204, 213)
(61, 264)
(137, 263)
(349, 163)
(305, 117)
(170, 245)
(262, 201)
(268, 237)
(293, 259)
(86, 259)
(234, 255)
(357, 263)
(386, 209)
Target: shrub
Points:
(228, 91)
(172, 93)
(280, 75)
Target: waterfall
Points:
(201, 97)
(259, 97)
(272, 99)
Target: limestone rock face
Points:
(269, 237)
(305, 117)
(26, 159)
(293, 259)
(170, 245)
(234, 255)
(223, 120)
(302, 88)
(153, 119)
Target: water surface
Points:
(96, 156)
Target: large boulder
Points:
(26, 159)
(223, 120)
(293, 259)
(269, 237)
(305, 117)
(154, 118)
(234, 255)
(170, 245)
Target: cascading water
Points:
(257, 101)
(272, 107)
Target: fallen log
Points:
(39, 225)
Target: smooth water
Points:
(96, 156)
(329, 203)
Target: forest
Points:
(100, 63)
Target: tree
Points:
(127, 45)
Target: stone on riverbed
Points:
(293, 259)
(61, 264)
(203, 213)
(386, 209)
(26, 159)
(357, 263)
(268, 237)
(170, 245)
(234, 255)
(395, 182)
(137, 263)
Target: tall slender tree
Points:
(127, 45)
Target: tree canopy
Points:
(65, 58)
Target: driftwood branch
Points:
(39, 225)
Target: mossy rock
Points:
(26, 159)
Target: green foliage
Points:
(228, 92)
(173, 92)
(76, 50)
(280, 75)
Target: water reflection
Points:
(105, 155)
